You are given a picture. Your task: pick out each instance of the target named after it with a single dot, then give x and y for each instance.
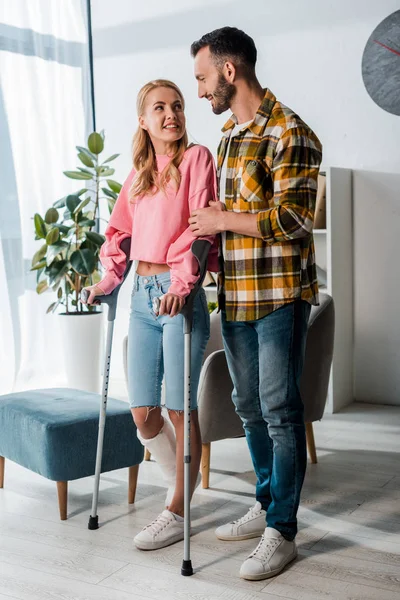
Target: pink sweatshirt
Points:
(158, 224)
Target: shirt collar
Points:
(260, 121)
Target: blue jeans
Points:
(156, 346)
(265, 360)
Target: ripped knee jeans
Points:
(156, 346)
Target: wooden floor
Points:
(349, 539)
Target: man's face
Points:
(212, 83)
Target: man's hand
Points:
(171, 305)
(207, 221)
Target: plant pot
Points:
(82, 341)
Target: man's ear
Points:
(229, 71)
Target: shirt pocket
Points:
(254, 186)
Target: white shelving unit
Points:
(334, 256)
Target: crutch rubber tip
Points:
(187, 568)
(93, 522)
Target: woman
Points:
(169, 181)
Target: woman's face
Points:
(163, 118)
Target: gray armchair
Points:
(217, 416)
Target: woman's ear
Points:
(142, 123)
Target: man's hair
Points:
(229, 43)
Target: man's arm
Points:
(294, 172)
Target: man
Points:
(268, 162)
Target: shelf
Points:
(319, 231)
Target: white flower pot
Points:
(82, 341)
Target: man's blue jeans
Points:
(265, 360)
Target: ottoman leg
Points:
(2, 464)
(133, 475)
(62, 491)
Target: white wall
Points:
(309, 55)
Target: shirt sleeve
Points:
(182, 263)
(119, 227)
(294, 174)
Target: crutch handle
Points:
(111, 299)
(200, 249)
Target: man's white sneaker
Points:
(272, 554)
(163, 531)
(251, 525)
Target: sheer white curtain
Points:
(45, 111)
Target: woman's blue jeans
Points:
(265, 359)
(156, 346)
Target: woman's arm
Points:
(112, 257)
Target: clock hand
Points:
(387, 47)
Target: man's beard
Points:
(223, 95)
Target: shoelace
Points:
(156, 526)
(264, 548)
(252, 512)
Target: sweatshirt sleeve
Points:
(119, 227)
(183, 265)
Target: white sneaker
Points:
(251, 525)
(163, 531)
(171, 490)
(272, 554)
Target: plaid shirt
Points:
(272, 170)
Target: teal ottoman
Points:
(53, 432)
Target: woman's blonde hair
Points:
(147, 179)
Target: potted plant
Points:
(68, 260)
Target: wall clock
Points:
(381, 64)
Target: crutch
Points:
(111, 301)
(200, 249)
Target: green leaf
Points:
(52, 236)
(64, 229)
(114, 185)
(85, 159)
(105, 171)
(60, 203)
(77, 175)
(81, 191)
(87, 223)
(39, 273)
(82, 205)
(113, 157)
(111, 204)
(39, 265)
(83, 261)
(96, 238)
(56, 271)
(51, 216)
(95, 143)
(84, 150)
(72, 202)
(41, 253)
(59, 293)
(91, 173)
(110, 193)
(42, 287)
(54, 250)
(40, 226)
(51, 307)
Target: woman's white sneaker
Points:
(272, 554)
(163, 531)
(251, 525)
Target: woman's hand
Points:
(171, 305)
(93, 291)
